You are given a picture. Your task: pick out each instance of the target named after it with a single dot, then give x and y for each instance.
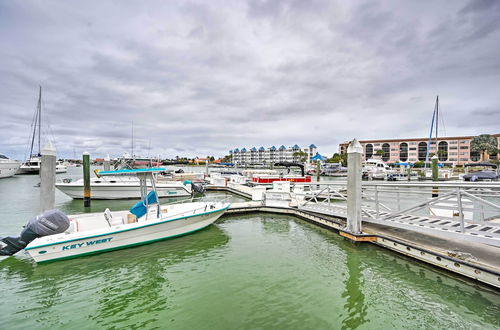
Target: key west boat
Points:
(55, 236)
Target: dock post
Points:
(86, 179)
(435, 175)
(47, 177)
(206, 168)
(354, 152)
(106, 163)
(318, 170)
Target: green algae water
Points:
(257, 271)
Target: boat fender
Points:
(48, 223)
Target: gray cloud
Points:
(200, 78)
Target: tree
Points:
(338, 158)
(301, 155)
(485, 144)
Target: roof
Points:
(295, 147)
(418, 139)
(244, 150)
(262, 149)
(273, 148)
(282, 147)
(313, 146)
(253, 149)
(318, 157)
(134, 171)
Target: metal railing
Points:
(458, 207)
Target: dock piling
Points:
(86, 179)
(47, 177)
(318, 170)
(435, 175)
(106, 163)
(354, 152)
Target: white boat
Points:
(8, 167)
(376, 169)
(55, 236)
(32, 166)
(122, 187)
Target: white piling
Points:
(47, 177)
(354, 152)
(106, 163)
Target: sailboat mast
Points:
(437, 117)
(39, 118)
(132, 155)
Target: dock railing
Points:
(454, 207)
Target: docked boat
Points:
(56, 236)
(288, 176)
(32, 166)
(376, 169)
(482, 175)
(123, 187)
(8, 167)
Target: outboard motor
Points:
(48, 223)
(198, 187)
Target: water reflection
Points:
(355, 305)
(123, 284)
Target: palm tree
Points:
(485, 144)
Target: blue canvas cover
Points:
(139, 209)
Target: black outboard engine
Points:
(48, 223)
(198, 187)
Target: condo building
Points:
(270, 155)
(450, 150)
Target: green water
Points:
(245, 272)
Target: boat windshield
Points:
(3, 157)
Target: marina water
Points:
(253, 271)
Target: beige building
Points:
(454, 150)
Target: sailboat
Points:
(32, 165)
(442, 173)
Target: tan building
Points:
(454, 150)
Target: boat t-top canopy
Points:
(133, 171)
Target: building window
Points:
(453, 142)
(443, 151)
(403, 152)
(422, 150)
(464, 147)
(453, 148)
(413, 143)
(377, 144)
(369, 151)
(475, 156)
(414, 148)
(386, 149)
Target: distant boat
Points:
(32, 165)
(8, 167)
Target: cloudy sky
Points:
(203, 77)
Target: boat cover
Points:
(139, 209)
(133, 171)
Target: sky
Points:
(198, 78)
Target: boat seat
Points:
(112, 220)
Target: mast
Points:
(132, 155)
(39, 118)
(437, 118)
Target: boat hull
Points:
(120, 191)
(120, 237)
(8, 169)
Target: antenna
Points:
(132, 155)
